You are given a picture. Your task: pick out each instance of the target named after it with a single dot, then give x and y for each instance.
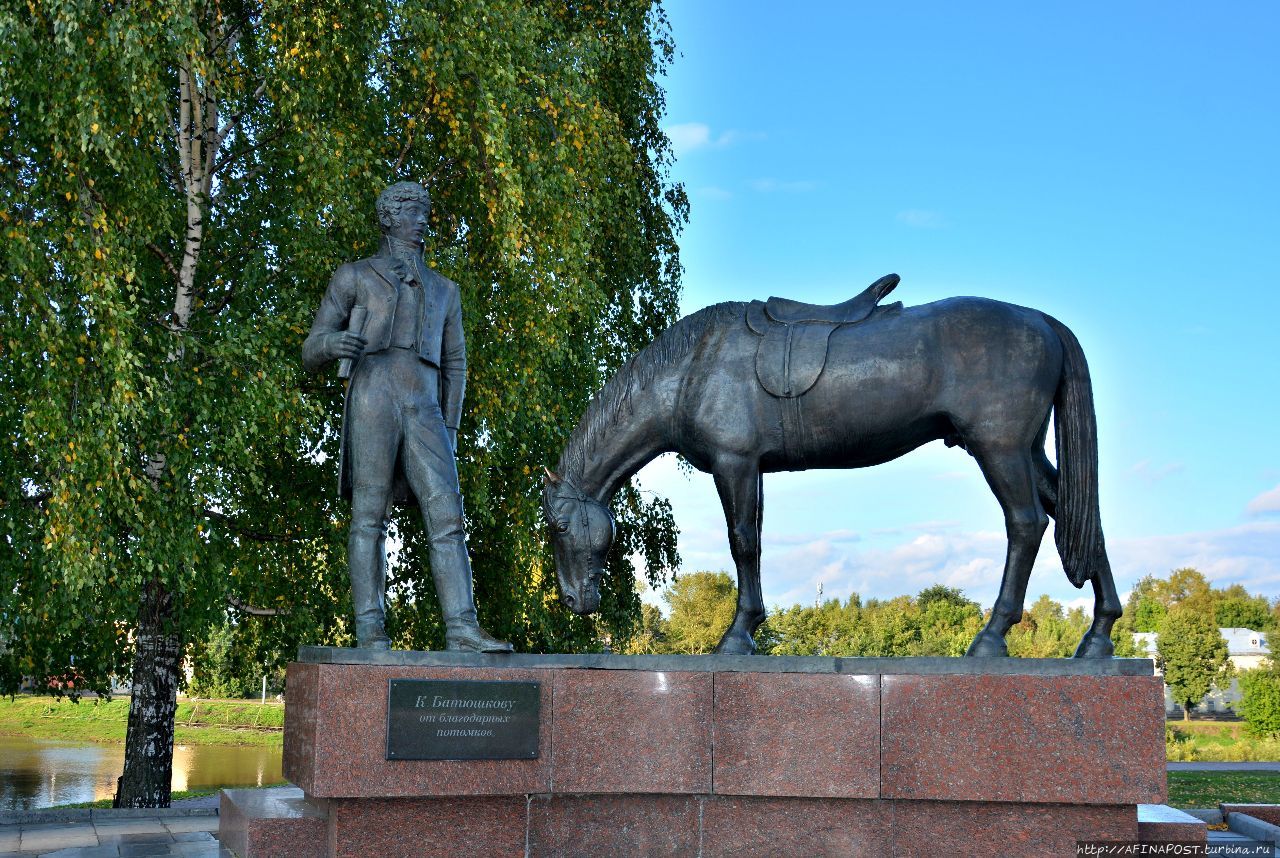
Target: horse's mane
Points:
(613, 403)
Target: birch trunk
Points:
(148, 753)
(148, 758)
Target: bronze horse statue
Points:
(741, 389)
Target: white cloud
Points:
(689, 137)
(1151, 473)
(712, 192)
(921, 218)
(1267, 502)
(772, 186)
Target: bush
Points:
(1260, 707)
(1178, 746)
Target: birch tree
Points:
(177, 182)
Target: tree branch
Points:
(235, 602)
(249, 533)
(234, 122)
(165, 258)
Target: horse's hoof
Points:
(1095, 646)
(736, 646)
(987, 645)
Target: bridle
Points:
(582, 551)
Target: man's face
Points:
(411, 224)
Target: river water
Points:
(37, 773)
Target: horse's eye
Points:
(560, 526)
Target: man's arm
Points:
(328, 339)
(453, 364)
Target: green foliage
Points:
(1218, 741)
(1122, 638)
(1046, 631)
(702, 607)
(230, 662)
(178, 182)
(1192, 654)
(651, 636)
(1260, 706)
(940, 621)
(1244, 612)
(1148, 614)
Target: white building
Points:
(1246, 650)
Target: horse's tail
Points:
(1078, 528)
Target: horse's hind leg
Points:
(1096, 642)
(1014, 481)
(741, 494)
(1046, 483)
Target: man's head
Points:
(403, 209)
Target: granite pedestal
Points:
(721, 755)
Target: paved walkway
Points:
(187, 829)
(186, 836)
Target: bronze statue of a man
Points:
(395, 325)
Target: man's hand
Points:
(453, 439)
(344, 344)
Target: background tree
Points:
(1192, 654)
(1238, 610)
(1048, 631)
(702, 606)
(177, 183)
(828, 628)
(1260, 700)
(651, 635)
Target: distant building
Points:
(1246, 650)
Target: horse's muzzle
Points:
(585, 601)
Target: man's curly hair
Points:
(393, 198)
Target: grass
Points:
(177, 795)
(198, 722)
(1218, 742)
(1208, 789)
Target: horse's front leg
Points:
(741, 494)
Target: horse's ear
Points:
(550, 477)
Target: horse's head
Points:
(581, 535)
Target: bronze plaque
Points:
(462, 719)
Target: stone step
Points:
(280, 821)
(1160, 823)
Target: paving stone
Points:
(47, 839)
(84, 852)
(188, 824)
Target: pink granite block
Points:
(1023, 738)
(272, 823)
(570, 826)
(477, 827)
(982, 829)
(1159, 823)
(341, 750)
(298, 760)
(631, 732)
(789, 827)
(1266, 812)
(796, 734)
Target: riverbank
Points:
(198, 722)
(1218, 742)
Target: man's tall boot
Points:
(462, 631)
(367, 560)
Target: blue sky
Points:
(1112, 164)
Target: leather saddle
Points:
(793, 335)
